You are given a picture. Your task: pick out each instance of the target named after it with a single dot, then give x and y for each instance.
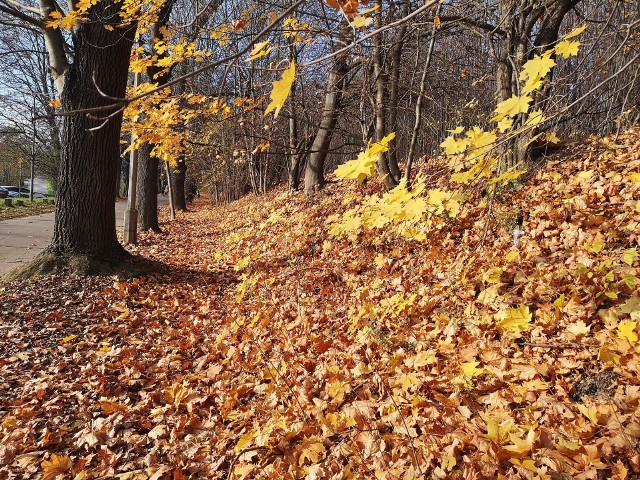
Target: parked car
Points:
(17, 192)
(4, 193)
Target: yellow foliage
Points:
(364, 166)
(514, 321)
(281, 89)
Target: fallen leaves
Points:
(267, 348)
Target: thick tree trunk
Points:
(85, 216)
(314, 172)
(147, 190)
(178, 176)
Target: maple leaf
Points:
(521, 445)
(511, 107)
(57, 465)
(364, 166)
(312, 452)
(538, 67)
(360, 21)
(470, 369)
(260, 50)
(575, 32)
(514, 321)
(281, 90)
(579, 328)
(567, 49)
(626, 330)
(453, 146)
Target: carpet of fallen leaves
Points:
(267, 350)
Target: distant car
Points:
(4, 193)
(17, 192)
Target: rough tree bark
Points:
(178, 176)
(147, 189)
(85, 216)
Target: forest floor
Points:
(269, 347)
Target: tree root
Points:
(81, 264)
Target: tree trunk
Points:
(314, 172)
(394, 79)
(147, 190)
(382, 163)
(148, 166)
(178, 176)
(85, 216)
(294, 153)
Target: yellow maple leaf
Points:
(607, 356)
(567, 49)
(453, 146)
(505, 124)
(514, 321)
(511, 107)
(533, 83)
(281, 89)
(360, 21)
(538, 67)
(57, 465)
(260, 49)
(579, 328)
(626, 330)
(364, 166)
(245, 440)
(498, 432)
(521, 445)
(470, 369)
(575, 32)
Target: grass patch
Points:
(29, 208)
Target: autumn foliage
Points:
(274, 346)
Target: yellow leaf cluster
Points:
(364, 166)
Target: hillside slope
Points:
(270, 349)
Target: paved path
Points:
(21, 239)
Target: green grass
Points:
(29, 209)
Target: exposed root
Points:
(82, 264)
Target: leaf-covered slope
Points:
(271, 350)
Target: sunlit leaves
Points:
(626, 330)
(575, 32)
(260, 49)
(514, 321)
(360, 21)
(512, 107)
(567, 48)
(281, 90)
(364, 166)
(538, 67)
(56, 465)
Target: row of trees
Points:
(362, 72)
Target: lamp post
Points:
(131, 214)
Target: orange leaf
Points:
(58, 465)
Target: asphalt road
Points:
(21, 239)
